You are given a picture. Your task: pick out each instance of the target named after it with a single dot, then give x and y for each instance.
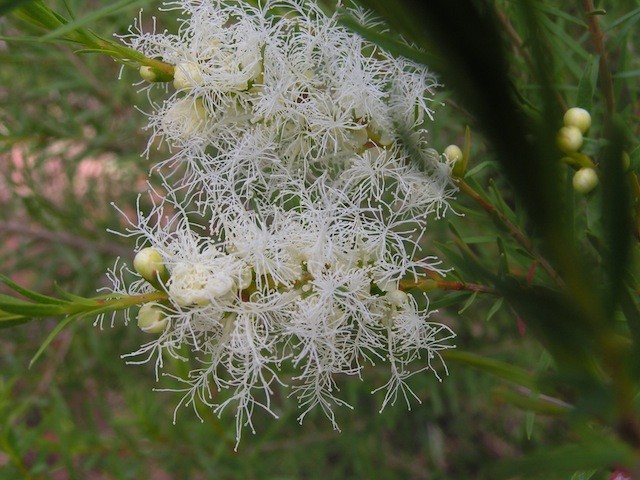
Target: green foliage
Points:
(543, 293)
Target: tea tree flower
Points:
(299, 209)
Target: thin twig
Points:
(597, 38)
(519, 47)
(437, 284)
(514, 231)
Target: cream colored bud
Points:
(186, 117)
(187, 75)
(148, 263)
(385, 139)
(246, 278)
(147, 73)
(579, 118)
(585, 180)
(151, 319)
(359, 137)
(397, 298)
(379, 134)
(569, 139)
(453, 153)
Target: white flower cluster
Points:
(296, 201)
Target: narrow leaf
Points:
(28, 309)
(558, 323)
(468, 303)
(587, 85)
(494, 308)
(10, 321)
(494, 367)
(388, 43)
(530, 421)
(7, 5)
(75, 298)
(532, 403)
(503, 267)
(78, 24)
(616, 214)
(54, 333)
(36, 297)
(569, 459)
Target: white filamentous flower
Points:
(301, 208)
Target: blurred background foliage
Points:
(543, 294)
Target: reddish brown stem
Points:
(597, 38)
(437, 284)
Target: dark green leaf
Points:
(587, 85)
(601, 453)
(388, 43)
(616, 214)
(96, 15)
(558, 323)
(631, 312)
(7, 5)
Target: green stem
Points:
(42, 16)
(118, 303)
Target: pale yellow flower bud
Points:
(569, 139)
(397, 298)
(151, 319)
(187, 75)
(579, 118)
(147, 73)
(148, 263)
(453, 153)
(585, 180)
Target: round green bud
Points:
(453, 153)
(148, 263)
(569, 139)
(585, 180)
(579, 118)
(151, 319)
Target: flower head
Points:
(301, 209)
